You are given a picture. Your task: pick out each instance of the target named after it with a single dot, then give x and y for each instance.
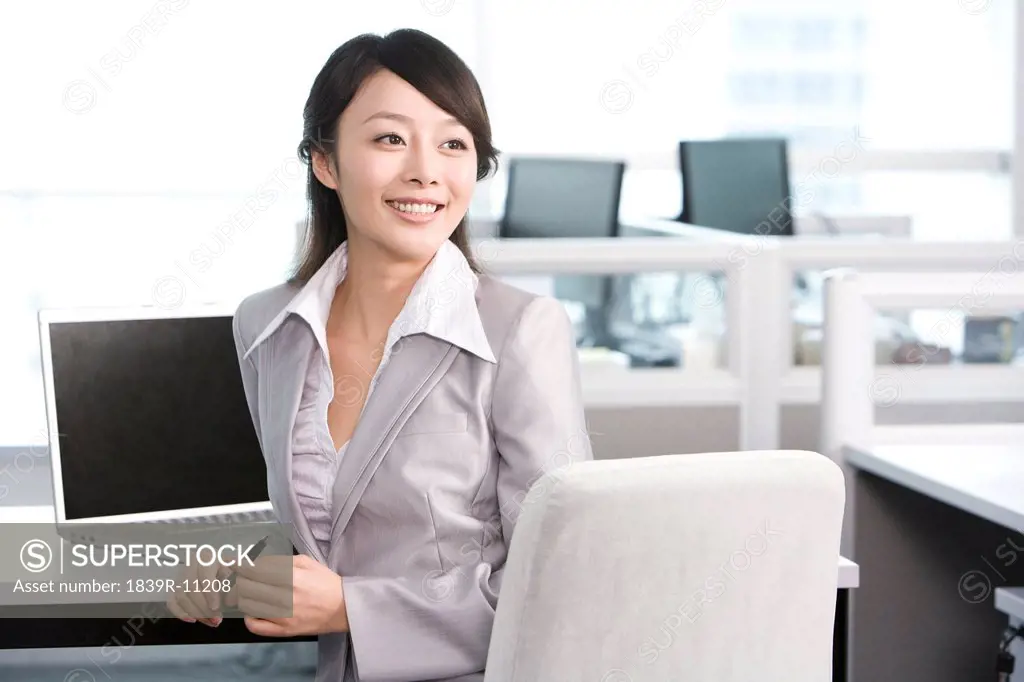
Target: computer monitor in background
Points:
(568, 198)
(738, 184)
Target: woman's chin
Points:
(418, 248)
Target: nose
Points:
(422, 166)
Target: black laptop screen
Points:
(152, 416)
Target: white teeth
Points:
(413, 208)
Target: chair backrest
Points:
(717, 567)
(551, 197)
(737, 184)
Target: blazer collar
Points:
(441, 304)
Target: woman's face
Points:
(406, 168)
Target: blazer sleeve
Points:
(440, 626)
(248, 370)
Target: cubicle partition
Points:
(855, 386)
(935, 513)
(758, 372)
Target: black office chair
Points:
(568, 198)
(551, 197)
(561, 197)
(737, 184)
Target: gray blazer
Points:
(433, 480)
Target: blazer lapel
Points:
(281, 385)
(416, 364)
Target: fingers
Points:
(194, 604)
(193, 597)
(231, 597)
(179, 613)
(278, 597)
(262, 591)
(265, 628)
(227, 575)
(181, 609)
(300, 561)
(259, 609)
(190, 611)
(270, 570)
(204, 586)
(199, 595)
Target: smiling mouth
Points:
(415, 208)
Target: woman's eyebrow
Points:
(402, 118)
(389, 116)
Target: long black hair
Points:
(428, 65)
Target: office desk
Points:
(855, 225)
(58, 633)
(112, 633)
(813, 225)
(1010, 600)
(32, 633)
(936, 530)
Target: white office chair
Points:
(698, 568)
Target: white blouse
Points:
(314, 459)
(436, 306)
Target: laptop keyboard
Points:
(238, 517)
(187, 521)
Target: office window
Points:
(758, 33)
(812, 89)
(913, 76)
(753, 89)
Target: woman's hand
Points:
(197, 604)
(310, 591)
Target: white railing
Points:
(760, 375)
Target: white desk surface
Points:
(984, 480)
(1010, 600)
(850, 225)
(849, 572)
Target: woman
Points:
(405, 402)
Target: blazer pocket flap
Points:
(434, 422)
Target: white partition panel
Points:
(853, 387)
(760, 375)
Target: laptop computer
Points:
(148, 420)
